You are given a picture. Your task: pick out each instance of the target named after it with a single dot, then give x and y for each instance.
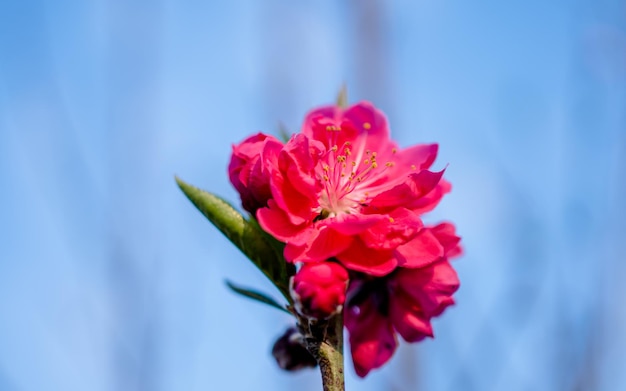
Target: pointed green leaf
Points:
(256, 295)
(342, 97)
(283, 132)
(247, 236)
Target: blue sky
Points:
(110, 280)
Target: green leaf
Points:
(247, 236)
(255, 295)
(283, 132)
(342, 97)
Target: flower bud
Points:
(249, 169)
(319, 289)
(290, 352)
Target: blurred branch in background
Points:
(132, 98)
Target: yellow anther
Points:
(366, 161)
(334, 148)
(389, 164)
(367, 125)
(413, 167)
(326, 168)
(347, 151)
(348, 143)
(353, 164)
(391, 220)
(374, 165)
(326, 178)
(394, 151)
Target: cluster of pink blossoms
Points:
(347, 202)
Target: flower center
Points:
(350, 174)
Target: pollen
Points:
(413, 167)
(367, 125)
(391, 220)
(326, 178)
(394, 151)
(389, 164)
(374, 165)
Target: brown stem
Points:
(325, 342)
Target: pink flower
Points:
(249, 169)
(402, 302)
(319, 289)
(342, 188)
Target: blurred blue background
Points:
(111, 280)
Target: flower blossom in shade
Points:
(319, 289)
(290, 352)
(343, 189)
(249, 168)
(402, 302)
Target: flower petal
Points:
(327, 244)
(353, 224)
(360, 258)
(297, 162)
(369, 122)
(276, 222)
(297, 206)
(417, 157)
(446, 235)
(398, 228)
(431, 287)
(423, 250)
(408, 319)
(429, 201)
(372, 340)
(405, 194)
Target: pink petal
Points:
(359, 257)
(408, 320)
(372, 340)
(327, 244)
(397, 228)
(276, 222)
(424, 249)
(431, 287)
(406, 193)
(298, 164)
(297, 206)
(420, 156)
(353, 224)
(369, 122)
(446, 235)
(429, 201)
